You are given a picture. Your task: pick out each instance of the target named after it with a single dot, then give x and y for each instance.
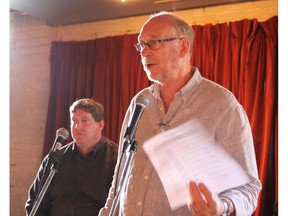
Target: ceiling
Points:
(67, 12)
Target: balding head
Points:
(164, 18)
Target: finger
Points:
(197, 199)
(206, 192)
(193, 189)
(194, 209)
(195, 193)
(211, 198)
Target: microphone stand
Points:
(40, 195)
(124, 175)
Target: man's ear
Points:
(101, 124)
(185, 47)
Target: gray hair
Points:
(183, 28)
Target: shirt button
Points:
(139, 203)
(146, 177)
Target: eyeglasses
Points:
(153, 44)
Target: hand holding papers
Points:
(188, 153)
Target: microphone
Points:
(61, 135)
(141, 104)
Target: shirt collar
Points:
(192, 83)
(97, 148)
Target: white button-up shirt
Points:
(220, 113)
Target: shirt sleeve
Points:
(235, 135)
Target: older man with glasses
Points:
(179, 93)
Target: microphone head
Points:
(62, 132)
(142, 100)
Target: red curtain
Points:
(107, 70)
(242, 56)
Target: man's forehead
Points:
(156, 31)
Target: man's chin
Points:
(151, 76)
(79, 141)
(149, 72)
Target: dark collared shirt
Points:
(81, 184)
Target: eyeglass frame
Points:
(154, 42)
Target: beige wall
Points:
(30, 41)
(262, 10)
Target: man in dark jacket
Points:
(85, 171)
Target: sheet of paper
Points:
(188, 153)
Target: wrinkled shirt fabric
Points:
(220, 113)
(81, 184)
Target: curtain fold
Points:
(241, 56)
